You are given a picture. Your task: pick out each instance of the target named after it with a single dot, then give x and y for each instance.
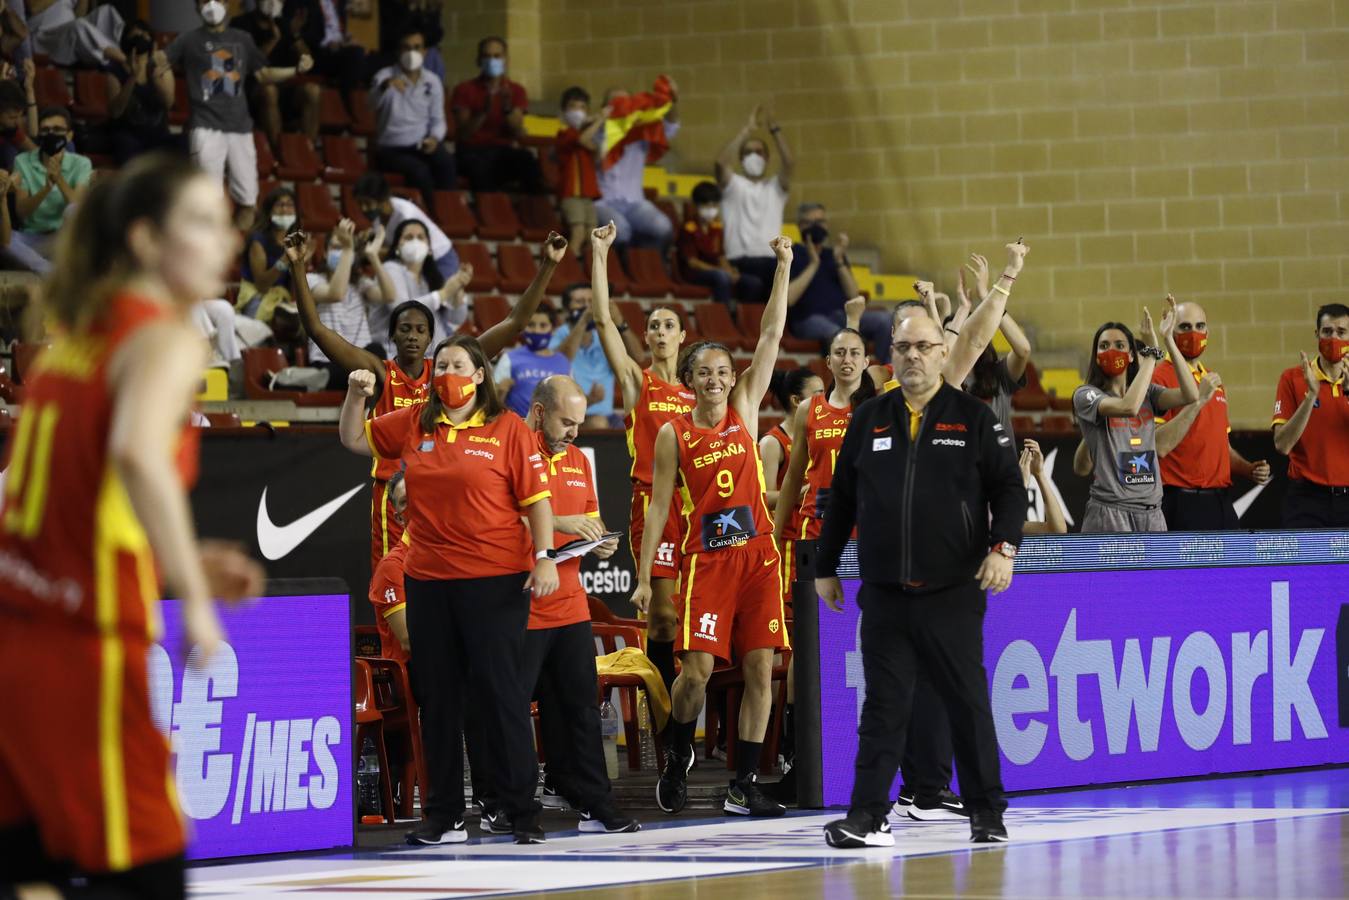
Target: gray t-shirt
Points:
(1123, 449)
(216, 66)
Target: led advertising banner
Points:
(261, 733)
(1107, 676)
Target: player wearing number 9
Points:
(95, 511)
(729, 580)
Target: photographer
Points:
(140, 95)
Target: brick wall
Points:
(1140, 147)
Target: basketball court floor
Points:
(1282, 835)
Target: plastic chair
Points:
(362, 116)
(91, 95)
(489, 309)
(50, 89)
(485, 274)
(266, 160)
(344, 162)
(518, 267)
(352, 210)
(299, 161)
(332, 114)
(730, 681)
(607, 639)
(497, 220)
(714, 321)
(317, 210)
(601, 614)
(453, 215)
(567, 273)
(370, 723)
(619, 282)
(538, 217)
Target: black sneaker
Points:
(551, 799)
(986, 827)
(605, 819)
(432, 831)
(672, 790)
(528, 831)
(784, 790)
(943, 806)
(859, 830)
(495, 821)
(904, 800)
(746, 798)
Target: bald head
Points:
(555, 391)
(918, 328)
(919, 355)
(558, 409)
(1190, 316)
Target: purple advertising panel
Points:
(1100, 677)
(261, 734)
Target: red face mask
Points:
(1113, 362)
(455, 391)
(1191, 343)
(1333, 349)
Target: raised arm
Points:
(982, 324)
(504, 334)
(337, 348)
(571, 344)
(351, 420)
(753, 384)
(662, 489)
(846, 279)
(786, 161)
(1188, 391)
(1032, 464)
(729, 155)
(789, 495)
(797, 288)
(626, 369)
(1287, 434)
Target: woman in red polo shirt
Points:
(472, 469)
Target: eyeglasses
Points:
(923, 347)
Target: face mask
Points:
(708, 213)
(334, 259)
(1191, 343)
(270, 8)
(411, 60)
(537, 340)
(9, 132)
(574, 315)
(1113, 362)
(1333, 349)
(283, 221)
(51, 144)
(575, 118)
(213, 13)
(494, 67)
(753, 164)
(414, 251)
(455, 391)
(816, 234)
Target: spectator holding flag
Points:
(636, 135)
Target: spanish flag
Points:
(638, 117)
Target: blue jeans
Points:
(638, 222)
(875, 328)
(749, 287)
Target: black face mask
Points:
(51, 144)
(137, 43)
(8, 133)
(574, 314)
(816, 234)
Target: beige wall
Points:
(1196, 147)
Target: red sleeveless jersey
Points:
(784, 439)
(721, 485)
(658, 403)
(399, 391)
(825, 426)
(72, 550)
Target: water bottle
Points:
(367, 779)
(644, 732)
(609, 736)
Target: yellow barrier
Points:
(215, 386)
(1060, 382)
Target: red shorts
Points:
(732, 601)
(385, 531)
(80, 756)
(666, 563)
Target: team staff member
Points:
(94, 508)
(559, 652)
(1197, 457)
(472, 469)
(921, 471)
(386, 585)
(1311, 427)
(405, 379)
(730, 580)
(652, 397)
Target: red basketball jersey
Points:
(659, 402)
(399, 391)
(825, 426)
(721, 485)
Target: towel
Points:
(632, 661)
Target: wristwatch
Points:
(1154, 352)
(622, 327)
(1006, 549)
(546, 554)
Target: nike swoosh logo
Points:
(769, 562)
(693, 444)
(276, 541)
(882, 428)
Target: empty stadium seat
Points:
(299, 161)
(317, 210)
(538, 217)
(333, 116)
(619, 282)
(634, 315)
(489, 309)
(716, 325)
(497, 220)
(259, 365)
(362, 116)
(518, 267)
(1055, 423)
(567, 273)
(453, 215)
(91, 95)
(49, 88)
(352, 210)
(1023, 424)
(266, 161)
(485, 275)
(651, 280)
(344, 162)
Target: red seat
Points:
(518, 267)
(489, 309)
(538, 217)
(332, 114)
(567, 273)
(820, 368)
(601, 614)
(259, 365)
(362, 116)
(485, 275)
(266, 161)
(799, 345)
(497, 220)
(181, 110)
(607, 638)
(223, 419)
(299, 161)
(91, 95)
(344, 161)
(317, 210)
(1058, 424)
(634, 315)
(716, 325)
(370, 724)
(668, 207)
(1023, 424)
(731, 682)
(651, 279)
(352, 210)
(749, 316)
(619, 282)
(50, 89)
(453, 215)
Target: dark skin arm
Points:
(504, 334)
(339, 350)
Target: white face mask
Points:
(708, 213)
(753, 164)
(413, 251)
(574, 117)
(213, 13)
(411, 60)
(283, 221)
(271, 8)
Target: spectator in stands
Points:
(637, 133)
(140, 95)
(489, 120)
(276, 103)
(415, 278)
(1117, 411)
(398, 17)
(1032, 464)
(577, 147)
(18, 120)
(410, 106)
(1197, 457)
(70, 33)
(51, 180)
(702, 252)
(752, 204)
(379, 204)
(992, 380)
(265, 271)
(1311, 427)
(217, 62)
(576, 339)
(319, 28)
(822, 281)
(520, 369)
(341, 295)
(15, 43)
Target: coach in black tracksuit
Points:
(920, 470)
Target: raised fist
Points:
(782, 248)
(1016, 257)
(602, 238)
(555, 247)
(361, 382)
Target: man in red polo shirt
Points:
(559, 648)
(1311, 426)
(489, 118)
(1198, 460)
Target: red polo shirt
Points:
(704, 245)
(573, 488)
(472, 95)
(387, 597)
(1202, 459)
(1320, 455)
(466, 487)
